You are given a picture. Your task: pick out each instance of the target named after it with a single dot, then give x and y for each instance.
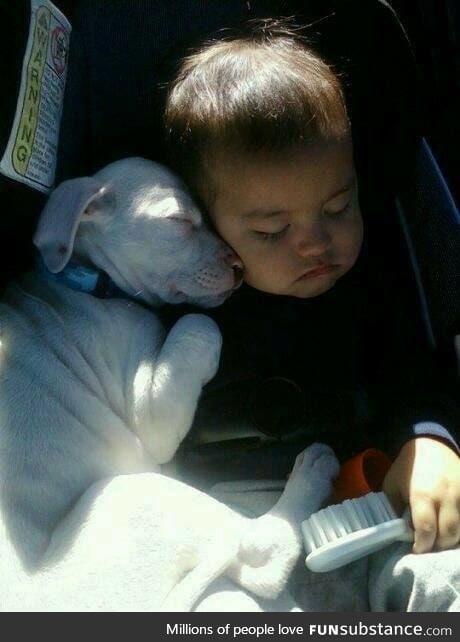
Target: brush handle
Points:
(408, 535)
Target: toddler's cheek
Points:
(355, 242)
(267, 278)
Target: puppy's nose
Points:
(238, 273)
(234, 261)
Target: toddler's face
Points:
(294, 220)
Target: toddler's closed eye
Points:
(272, 236)
(340, 211)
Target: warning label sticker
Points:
(30, 156)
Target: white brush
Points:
(342, 533)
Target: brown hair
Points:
(266, 91)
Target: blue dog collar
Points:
(82, 279)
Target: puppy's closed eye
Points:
(186, 224)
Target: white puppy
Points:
(91, 389)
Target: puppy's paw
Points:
(204, 343)
(310, 482)
(318, 460)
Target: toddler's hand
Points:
(426, 475)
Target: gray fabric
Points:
(342, 590)
(392, 579)
(401, 581)
(252, 497)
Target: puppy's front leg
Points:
(271, 544)
(166, 393)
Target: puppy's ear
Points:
(67, 205)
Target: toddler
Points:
(258, 127)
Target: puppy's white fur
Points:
(92, 391)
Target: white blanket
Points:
(147, 542)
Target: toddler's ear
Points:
(67, 205)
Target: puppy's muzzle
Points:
(234, 261)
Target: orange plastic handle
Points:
(360, 475)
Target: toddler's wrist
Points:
(437, 432)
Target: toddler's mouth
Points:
(321, 270)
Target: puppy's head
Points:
(136, 221)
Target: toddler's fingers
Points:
(448, 524)
(424, 519)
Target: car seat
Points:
(121, 55)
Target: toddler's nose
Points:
(313, 243)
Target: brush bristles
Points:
(351, 515)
